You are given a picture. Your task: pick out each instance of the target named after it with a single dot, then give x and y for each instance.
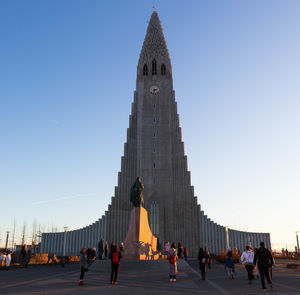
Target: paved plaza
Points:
(138, 277)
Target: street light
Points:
(7, 235)
(297, 240)
(227, 237)
(65, 241)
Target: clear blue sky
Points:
(67, 77)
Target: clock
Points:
(154, 89)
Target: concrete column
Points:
(50, 241)
(54, 245)
(54, 242)
(220, 237)
(97, 233)
(89, 235)
(69, 242)
(206, 241)
(80, 244)
(77, 243)
(74, 243)
(238, 239)
(213, 239)
(100, 234)
(201, 229)
(85, 234)
(75, 240)
(105, 226)
(210, 246)
(60, 237)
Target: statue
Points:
(136, 193)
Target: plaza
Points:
(141, 277)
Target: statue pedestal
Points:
(140, 243)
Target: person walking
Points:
(105, 249)
(100, 249)
(115, 257)
(208, 259)
(229, 265)
(83, 265)
(247, 259)
(185, 253)
(172, 258)
(180, 251)
(202, 258)
(264, 260)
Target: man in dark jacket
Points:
(115, 256)
(264, 260)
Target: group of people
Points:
(257, 263)
(260, 259)
(114, 255)
(102, 249)
(5, 260)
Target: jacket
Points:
(83, 260)
(263, 257)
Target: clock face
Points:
(154, 89)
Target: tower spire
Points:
(154, 46)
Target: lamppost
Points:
(297, 240)
(7, 235)
(64, 250)
(227, 237)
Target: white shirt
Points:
(8, 260)
(247, 257)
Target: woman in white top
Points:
(8, 260)
(247, 260)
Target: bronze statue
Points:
(136, 193)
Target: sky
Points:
(67, 78)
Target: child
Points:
(172, 257)
(229, 265)
(83, 265)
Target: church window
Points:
(154, 165)
(145, 70)
(163, 70)
(154, 67)
(154, 150)
(154, 105)
(154, 120)
(154, 134)
(154, 217)
(154, 181)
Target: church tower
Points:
(154, 151)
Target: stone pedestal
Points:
(140, 243)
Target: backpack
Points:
(172, 258)
(115, 257)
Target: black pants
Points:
(249, 269)
(114, 272)
(202, 267)
(82, 273)
(264, 273)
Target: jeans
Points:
(249, 269)
(82, 273)
(264, 273)
(114, 272)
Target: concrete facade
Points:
(154, 151)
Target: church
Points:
(154, 151)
